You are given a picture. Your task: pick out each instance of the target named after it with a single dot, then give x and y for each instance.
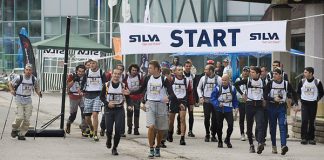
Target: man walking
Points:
(21, 87)
(310, 91)
(224, 100)
(204, 89)
(112, 95)
(277, 92)
(91, 86)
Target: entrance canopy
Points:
(77, 42)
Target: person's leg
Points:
(109, 122)
(311, 129)
(191, 121)
(213, 127)
(95, 123)
(102, 125)
(259, 119)
(88, 103)
(150, 124)
(129, 119)
(19, 112)
(178, 124)
(250, 111)
(272, 123)
(73, 112)
(171, 127)
(136, 117)
(207, 111)
(304, 126)
(282, 120)
(183, 123)
(230, 124)
(242, 117)
(28, 109)
(219, 129)
(118, 128)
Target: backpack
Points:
(221, 90)
(185, 81)
(206, 78)
(109, 82)
(87, 74)
(285, 85)
(21, 79)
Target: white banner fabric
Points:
(227, 37)
(82, 54)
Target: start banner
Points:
(262, 36)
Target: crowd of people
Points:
(165, 91)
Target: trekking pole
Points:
(36, 116)
(4, 126)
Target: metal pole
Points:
(4, 126)
(98, 22)
(37, 117)
(66, 53)
(110, 27)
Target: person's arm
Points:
(214, 97)
(320, 90)
(234, 100)
(300, 85)
(266, 92)
(143, 87)
(199, 87)
(37, 88)
(293, 93)
(168, 86)
(70, 81)
(103, 95)
(238, 84)
(83, 82)
(12, 85)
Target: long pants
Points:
(228, 116)
(136, 112)
(255, 112)
(277, 113)
(265, 125)
(103, 121)
(242, 117)
(74, 104)
(209, 109)
(114, 116)
(308, 112)
(22, 121)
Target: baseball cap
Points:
(210, 61)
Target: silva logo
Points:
(144, 38)
(264, 37)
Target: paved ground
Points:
(74, 147)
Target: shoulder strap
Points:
(185, 82)
(303, 81)
(285, 85)
(205, 82)
(163, 80)
(19, 82)
(107, 87)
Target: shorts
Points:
(157, 115)
(175, 108)
(92, 105)
(75, 103)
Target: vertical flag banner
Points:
(117, 49)
(20, 56)
(126, 13)
(28, 52)
(112, 3)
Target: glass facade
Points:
(15, 14)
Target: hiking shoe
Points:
(312, 142)
(228, 143)
(90, 134)
(213, 139)
(243, 137)
(260, 148)
(68, 128)
(96, 138)
(129, 131)
(14, 134)
(287, 136)
(284, 150)
(114, 152)
(151, 153)
(102, 132)
(182, 142)
(220, 144)
(170, 137)
(157, 152)
(136, 132)
(123, 135)
(303, 141)
(252, 149)
(86, 133)
(108, 143)
(274, 150)
(190, 134)
(21, 138)
(162, 145)
(207, 137)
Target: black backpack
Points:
(205, 83)
(315, 81)
(21, 79)
(221, 90)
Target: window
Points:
(8, 14)
(52, 25)
(35, 29)
(35, 9)
(83, 26)
(8, 29)
(21, 10)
